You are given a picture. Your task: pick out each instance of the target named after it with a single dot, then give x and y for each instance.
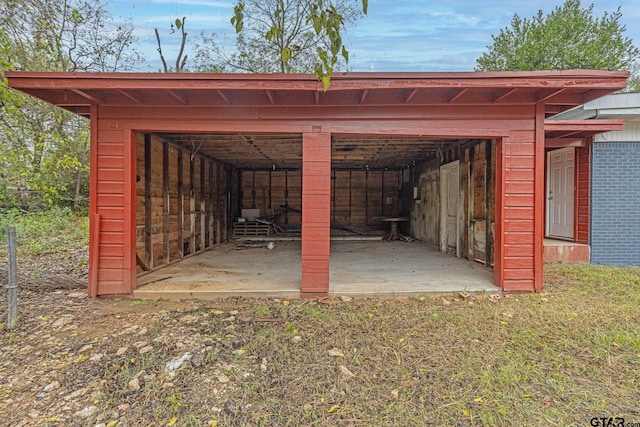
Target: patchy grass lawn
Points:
(54, 230)
(48, 242)
(558, 358)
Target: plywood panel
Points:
(374, 206)
(341, 198)
(295, 196)
(358, 199)
(390, 193)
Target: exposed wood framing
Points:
(203, 205)
(488, 249)
(180, 205)
(211, 202)
(148, 246)
(192, 205)
(166, 202)
(470, 202)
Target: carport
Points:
(178, 161)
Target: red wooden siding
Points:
(112, 190)
(316, 208)
(515, 212)
(583, 174)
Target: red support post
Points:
(316, 203)
(539, 202)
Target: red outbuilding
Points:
(176, 158)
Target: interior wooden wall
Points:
(477, 180)
(359, 198)
(181, 202)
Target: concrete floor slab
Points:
(357, 268)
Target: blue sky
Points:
(414, 35)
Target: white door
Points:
(560, 193)
(449, 211)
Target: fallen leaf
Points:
(172, 421)
(332, 409)
(324, 300)
(466, 412)
(285, 302)
(336, 352)
(478, 399)
(526, 395)
(346, 372)
(113, 423)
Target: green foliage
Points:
(44, 155)
(56, 229)
(570, 37)
(286, 36)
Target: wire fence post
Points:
(12, 287)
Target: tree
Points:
(285, 36)
(181, 61)
(45, 150)
(570, 37)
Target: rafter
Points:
(90, 97)
(363, 97)
(176, 96)
(458, 95)
(411, 95)
(506, 95)
(130, 96)
(223, 96)
(270, 96)
(551, 95)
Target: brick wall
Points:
(615, 203)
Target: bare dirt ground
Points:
(550, 359)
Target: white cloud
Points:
(205, 3)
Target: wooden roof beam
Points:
(586, 79)
(458, 95)
(177, 97)
(551, 95)
(506, 95)
(411, 95)
(130, 96)
(88, 96)
(564, 142)
(582, 125)
(270, 96)
(223, 96)
(363, 97)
